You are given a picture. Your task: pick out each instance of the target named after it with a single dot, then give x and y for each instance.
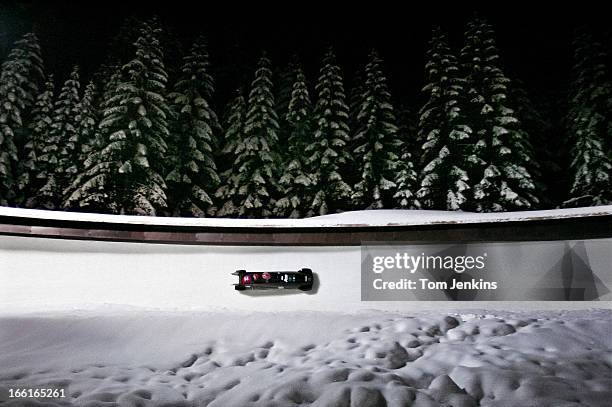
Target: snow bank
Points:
(315, 359)
(382, 217)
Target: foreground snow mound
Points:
(317, 359)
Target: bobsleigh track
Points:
(58, 260)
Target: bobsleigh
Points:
(274, 280)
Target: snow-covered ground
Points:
(135, 358)
(381, 217)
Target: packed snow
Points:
(138, 358)
(378, 217)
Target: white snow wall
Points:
(39, 274)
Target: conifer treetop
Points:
(192, 177)
(501, 148)
(377, 141)
(295, 178)
(328, 152)
(446, 151)
(256, 155)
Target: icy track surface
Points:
(312, 359)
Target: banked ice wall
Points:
(51, 261)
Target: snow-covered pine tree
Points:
(591, 171)
(446, 155)
(589, 125)
(378, 147)
(125, 175)
(233, 124)
(406, 178)
(500, 177)
(20, 75)
(234, 121)
(89, 138)
(328, 154)
(62, 151)
(591, 83)
(253, 181)
(193, 177)
(34, 164)
(352, 171)
(87, 125)
(535, 121)
(295, 178)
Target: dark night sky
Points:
(534, 43)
